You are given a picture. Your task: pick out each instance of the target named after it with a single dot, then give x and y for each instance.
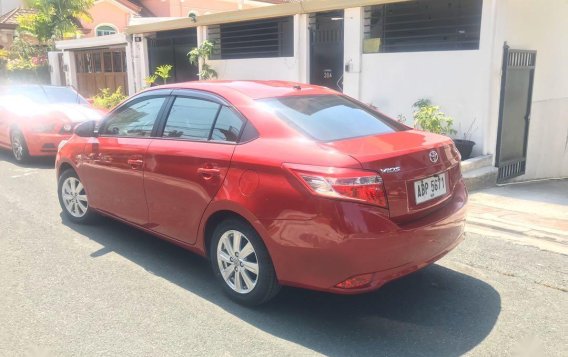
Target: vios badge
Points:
(433, 155)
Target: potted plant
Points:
(465, 145)
(428, 117)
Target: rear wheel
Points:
(73, 198)
(242, 264)
(19, 146)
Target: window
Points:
(329, 117)
(426, 25)
(135, 119)
(191, 119)
(253, 39)
(46, 94)
(227, 127)
(105, 30)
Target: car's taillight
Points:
(351, 184)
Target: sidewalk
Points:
(528, 213)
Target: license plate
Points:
(430, 188)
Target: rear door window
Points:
(191, 119)
(329, 117)
(228, 126)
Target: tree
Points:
(54, 19)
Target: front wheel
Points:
(19, 146)
(242, 264)
(73, 198)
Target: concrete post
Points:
(353, 48)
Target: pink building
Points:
(112, 16)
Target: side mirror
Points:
(86, 129)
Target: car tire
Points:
(19, 146)
(235, 267)
(73, 198)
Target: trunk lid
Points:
(401, 158)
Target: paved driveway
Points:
(112, 290)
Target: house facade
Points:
(110, 17)
(498, 75)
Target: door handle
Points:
(135, 163)
(208, 173)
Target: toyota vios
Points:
(277, 183)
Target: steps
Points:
(479, 172)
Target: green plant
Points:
(54, 19)
(163, 72)
(429, 117)
(108, 99)
(202, 54)
(150, 80)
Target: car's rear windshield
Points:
(330, 117)
(46, 94)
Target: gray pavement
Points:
(110, 290)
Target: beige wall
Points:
(106, 12)
(176, 8)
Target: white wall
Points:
(457, 81)
(453, 80)
(55, 68)
(280, 68)
(542, 26)
(283, 68)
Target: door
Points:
(326, 49)
(514, 112)
(186, 167)
(113, 171)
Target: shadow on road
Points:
(435, 312)
(34, 163)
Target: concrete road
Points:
(114, 291)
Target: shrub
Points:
(429, 117)
(164, 72)
(107, 99)
(203, 53)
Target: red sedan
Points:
(278, 183)
(34, 119)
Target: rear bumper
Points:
(355, 239)
(44, 144)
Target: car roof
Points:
(253, 89)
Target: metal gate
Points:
(514, 112)
(171, 47)
(326, 49)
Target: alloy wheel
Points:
(238, 262)
(74, 197)
(17, 147)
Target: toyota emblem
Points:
(433, 155)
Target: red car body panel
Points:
(42, 125)
(315, 242)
